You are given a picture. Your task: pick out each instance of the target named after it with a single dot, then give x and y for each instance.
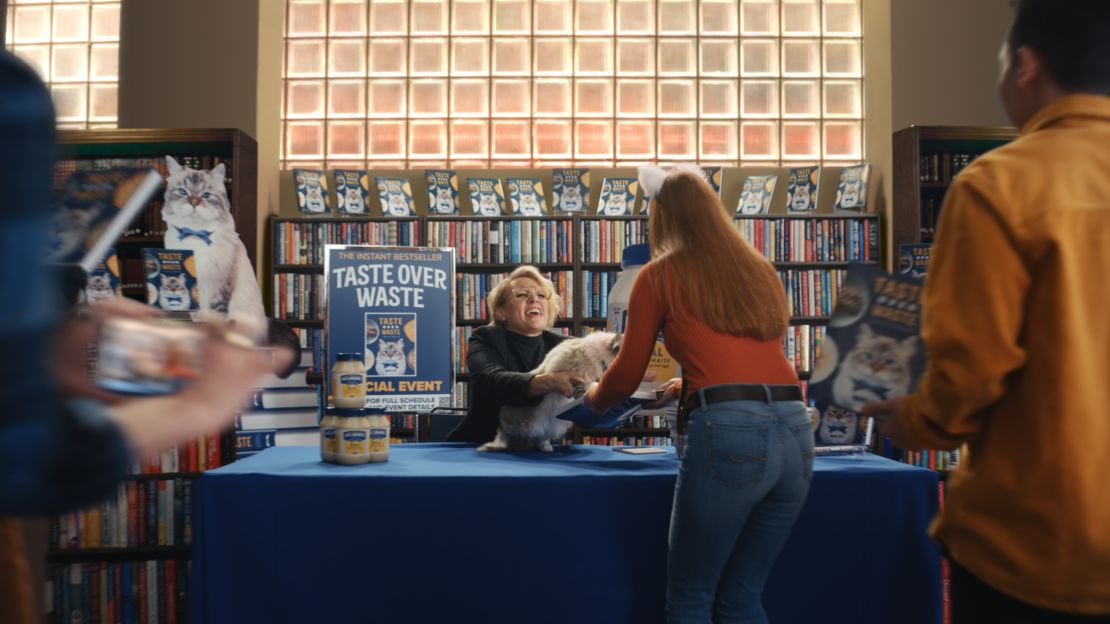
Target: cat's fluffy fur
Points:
(524, 427)
(197, 200)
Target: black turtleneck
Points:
(528, 351)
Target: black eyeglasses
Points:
(524, 294)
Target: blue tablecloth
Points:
(442, 533)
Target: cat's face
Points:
(173, 294)
(443, 201)
(487, 204)
(572, 195)
(397, 206)
(98, 288)
(877, 368)
(800, 201)
(850, 198)
(752, 203)
(529, 205)
(354, 200)
(838, 426)
(391, 357)
(616, 204)
(196, 197)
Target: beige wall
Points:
(944, 61)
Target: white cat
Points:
(98, 288)
(444, 203)
(615, 205)
(529, 206)
(876, 369)
(198, 214)
(571, 200)
(173, 293)
(314, 196)
(524, 427)
(390, 361)
(396, 206)
(353, 203)
(487, 205)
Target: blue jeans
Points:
(740, 487)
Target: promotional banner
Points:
(395, 307)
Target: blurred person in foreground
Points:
(1015, 323)
(723, 314)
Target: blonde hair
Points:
(499, 296)
(711, 271)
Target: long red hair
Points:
(725, 282)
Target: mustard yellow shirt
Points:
(1016, 320)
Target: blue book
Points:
(443, 191)
(570, 189)
(171, 279)
(254, 441)
(312, 191)
(526, 196)
(618, 196)
(801, 189)
(396, 197)
(586, 418)
(352, 192)
(487, 198)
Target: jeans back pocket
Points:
(737, 452)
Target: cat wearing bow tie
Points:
(198, 215)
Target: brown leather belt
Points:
(734, 392)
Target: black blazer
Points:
(493, 383)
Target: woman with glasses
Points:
(749, 451)
(522, 308)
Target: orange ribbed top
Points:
(708, 357)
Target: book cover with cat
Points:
(914, 258)
(312, 191)
(91, 210)
(396, 197)
(443, 191)
(713, 177)
(390, 344)
(872, 352)
(851, 192)
(570, 189)
(618, 196)
(171, 279)
(103, 281)
(352, 192)
(756, 194)
(487, 198)
(526, 197)
(801, 189)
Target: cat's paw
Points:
(493, 447)
(545, 447)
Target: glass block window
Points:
(74, 47)
(488, 83)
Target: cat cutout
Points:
(173, 293)
(526, 427)
(875, 369)
(390, 360)
(197, 213)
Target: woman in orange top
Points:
(749, 456)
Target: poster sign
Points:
(395, 307)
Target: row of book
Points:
(126, 592)
(627, 440)
(472, 289)
(500, 242)
(811, 292)
(570, 193)
(595, 292)
(298, 296)
(196, 456)
(814, 239)
(604, 241)
(462, 340)
(144, 512)
(943, 166)
(802, 345)
(301, 242)
(933, 459)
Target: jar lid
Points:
(348, 357)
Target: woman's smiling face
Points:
(525, 310)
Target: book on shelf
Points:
(312, 191)
(290, 418)
(443, 191)
(526, 197)
(914, 258)
(352, 192)
(871, 352)
(395, 195)
(171, 279)
(103, 281)
(801, 189)
(851, 192)
(713, 176)
(487, 198)
(756, 194)
(570, 189)
(618, 197)
(93, 208)
(248, 443)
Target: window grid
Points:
(771, 82)
(73, 45)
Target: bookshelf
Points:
(581, 252)
(131, 552)
(926, 158)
